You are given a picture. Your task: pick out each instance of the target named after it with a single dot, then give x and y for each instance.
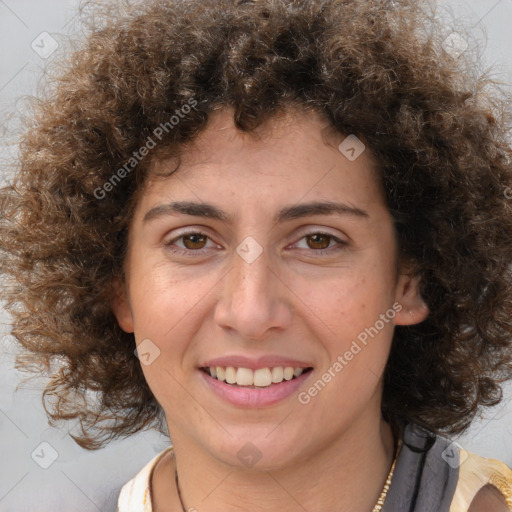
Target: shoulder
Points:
(484, 485)
(136, 493)
(489, 499)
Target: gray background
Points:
(89, 481)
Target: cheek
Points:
(168, 309)
(356, 324)
(357, 344)
(350, 302)
(163, 310)
(161, 299)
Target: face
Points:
(260, 253)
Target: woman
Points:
(296, 213)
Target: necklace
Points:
(382, 498)
(377, 508)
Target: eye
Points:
(193, 241)
(196, 241)
(321, 242)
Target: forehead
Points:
(295, 155)
(305, 133)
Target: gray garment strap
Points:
(426, 473)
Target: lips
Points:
(254, 382)
(245, 396)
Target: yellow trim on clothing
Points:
(476, 472)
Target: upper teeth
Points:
(261, 377)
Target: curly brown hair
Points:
(375, 69)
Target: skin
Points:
(290, 301)
(488, 499)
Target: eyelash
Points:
(188, 252)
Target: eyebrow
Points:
(285, 214)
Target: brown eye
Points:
(191, 243)
(318, 241)
(194, 240)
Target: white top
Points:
(475, 473)
(135, 495)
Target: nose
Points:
(254, 301)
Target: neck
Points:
(348, 474)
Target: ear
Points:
(414, 310)
(121, 306)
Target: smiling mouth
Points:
(253, 379)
